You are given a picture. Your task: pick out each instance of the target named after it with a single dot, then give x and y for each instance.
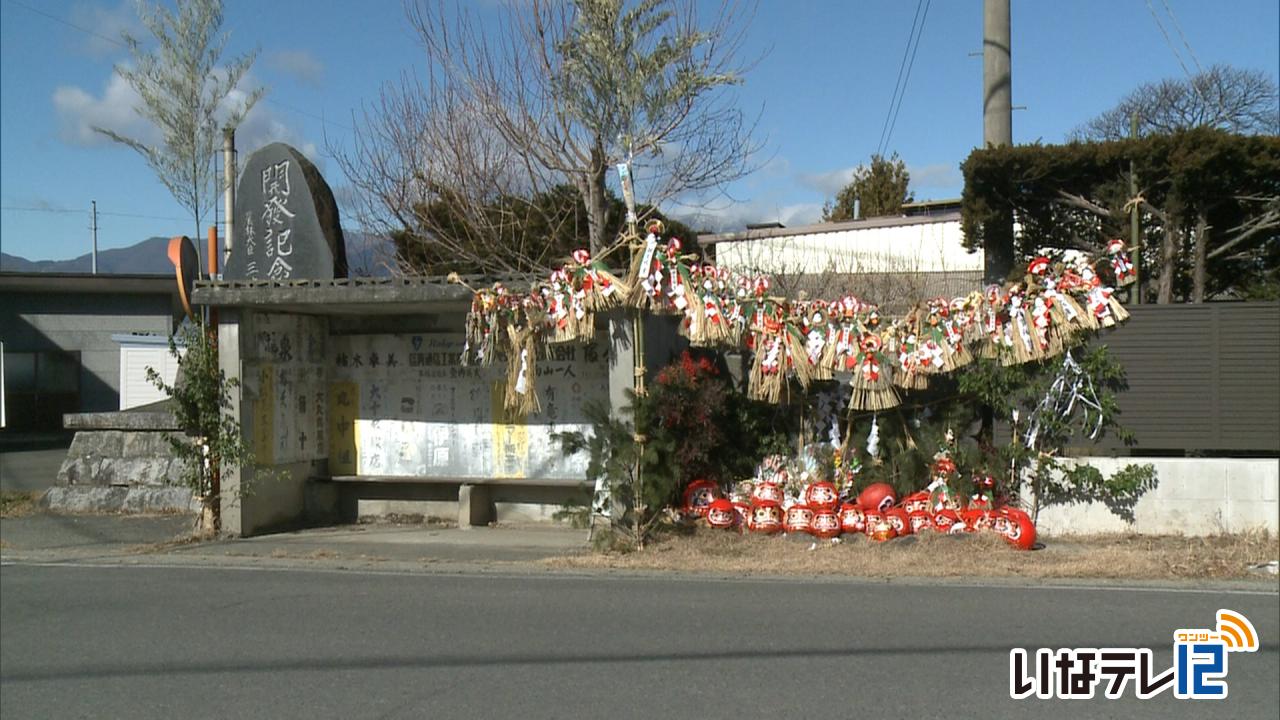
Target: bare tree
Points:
(557, 93)
(1232, 99)
(187, 96)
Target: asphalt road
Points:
(166, 642)
(29, 469)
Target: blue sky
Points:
(822, 88)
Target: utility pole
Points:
(997, 131)
(94, 227)
(229, 190)
(997, 126)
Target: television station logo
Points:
(1199, 670)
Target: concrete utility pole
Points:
(997, 126)
(229, 192)
(997, 87)
(94, 227)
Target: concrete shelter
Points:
(355, 402)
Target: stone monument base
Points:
(122, 462)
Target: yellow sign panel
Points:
(264, 426)
(510, 437)
(344, 401)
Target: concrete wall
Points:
(272, 493)
(918, 247)
(85, 323)
(1194, 496)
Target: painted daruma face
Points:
(766, 517)
(920, 520)
(898, 519)
(1019, 531)
(699, 495)
(916, 502)
(821, 495)
(826, 524)
(799, 518)
(852, 519)
(721, 515)
(944, 520)
(767, 492)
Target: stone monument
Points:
(286, 221)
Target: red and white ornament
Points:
(698, 496)
(825, 524)
(766, 517)
(798, 519)
(878, 497)
(822, 494)
(852, 519)
(721, 514)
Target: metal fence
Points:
(1202, 377)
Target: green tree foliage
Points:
(911, 435)
(882, 187)
(690, 425)
(1231, 99)
(186, 94)
(1210, 205)
(201, 399)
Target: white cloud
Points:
(827, 183)
(736, 216)
(300, 64)
(107, 24)
(942, 175)
(79, 112)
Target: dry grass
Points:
(16, 503)
(932, 555)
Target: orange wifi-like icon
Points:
(1237, 632)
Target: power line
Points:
(898, 82)
(1167, 40)
(86, 212)
(1177, 26)
(904, 74)
(41, 209)
(68, 23)
(907, 78)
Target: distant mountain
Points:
(148, 257)
(367, 256)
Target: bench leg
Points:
(473, 506)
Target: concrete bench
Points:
(476, 495)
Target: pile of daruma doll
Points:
(875, 513)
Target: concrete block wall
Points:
(1193, 496)
(55, 322)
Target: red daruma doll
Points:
(897, 517)
(825, 524)
(766, 517)
(798, 519)
(698, 496)
(721, 514)
(877, 496)
(822, 495)
(852, 519)
(1016, 527)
